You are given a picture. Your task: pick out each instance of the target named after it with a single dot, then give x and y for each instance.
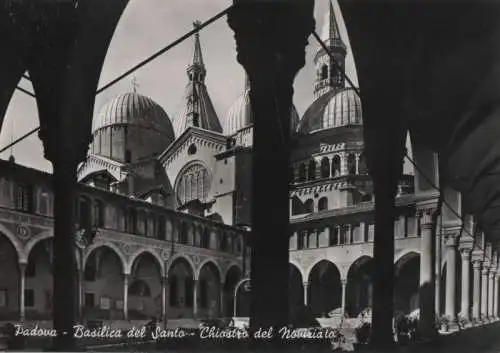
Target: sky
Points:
(145, 27)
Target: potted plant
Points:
(445, 322)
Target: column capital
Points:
(343, 281)
(485, 269)
(305, 284)
(476, 264)
(125, 276)
(426, 210)
(466, 252)
(260, 45)
(22, 266)
(451, 239)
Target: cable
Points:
(128, 72)
(168, 47)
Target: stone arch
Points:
(232, 276)
(210, 287)
(324, 292)
(214, 263)
(407, 282)
(359, 285)
(33, 242)
(406, 255)
(181, 277)
(296, 289)
(10, 275)
(303, 273)
(186, 167)
(113, 248)
(181, 257)
(22, 256)
(151, 252)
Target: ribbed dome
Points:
(333, 109)
(134, 109)
(240, 115)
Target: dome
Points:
(134, 109)
(333, 109)
(240, 115)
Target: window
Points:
(334, 237)
(311, 171)
(131, 221)
(90, 272)
(193, 184)
(43, 203)
(323, 204)
(23, 197)
(160, 228)
(128, 156)
(325, 167)
(223, 242)
(362, 168)
(173, 298)
(309, 206)
(351, 164)
(98, 214)
(184, 235)
(205, 239)
(105, 303)
(29, 298)
(89, 300)
(324, 72)
(196, 119)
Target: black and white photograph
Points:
(250, 175)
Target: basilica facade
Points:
(164, 218)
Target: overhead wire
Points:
(128, 72)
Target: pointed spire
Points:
(197, 55)
(135, 84)
(331, 27)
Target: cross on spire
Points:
(135, 84)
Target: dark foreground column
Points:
(271, 39)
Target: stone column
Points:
(306, 292)
(484, 290)
(476, 303)
(439, 261)
(427, 322)
(495, 297)
(491, 293)
(195, 298)
(344, 292)
(22, 288)
(164, 285)
(451, 263)
(81, 293)
(465, 304)
(125, 296)
(271, 64)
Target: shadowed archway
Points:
(324, 288)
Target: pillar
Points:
(427, 322)
(451, 263)
(491, 292)
(222, 307)
(437, 281)
(476, 299)
(164, 285)
(195, 298)
(495, 296)
(344, 299)
(484, 290)
(22, 288)
(125, 296)
(81, 291)
(271, 64)
(306, 292)
(465, 304)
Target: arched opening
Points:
(407, 283)
(205, 238)
(302, 172)
(324, 289)
(98, 213)
(323, 204)
(146, 302)
(351, 164)
(336, 166)
(103, 286)
(325, 167)
(309, 206)
(362, 167)
(181, 289)
(360, 287)
(311, 170)
(324, 72)
(209, 291)
(296, 291)
(243, 293)
(9, 273)
(184, 233)
(39, 282)
(233, 276)
(297, 206)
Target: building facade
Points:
(164, 212)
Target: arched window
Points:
(309, 206)
(336, 166)
(193, 184)
(297, 206)
(131, 220)
(311, 171)
(302, 172)
(351, 164)
(323, 204)
(43, 202)
(172, 285)
(183, 234)
(362, 168)
(334, 237)
(324, 72)
(223, 242)
(161, 228)
(325, 167)
(98, 214)
(205, 238)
